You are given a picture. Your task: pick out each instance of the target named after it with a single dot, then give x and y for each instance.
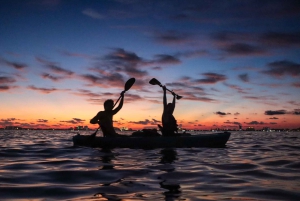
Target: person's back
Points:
(106, 123)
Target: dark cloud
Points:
(105, 80)
(235, 122)
(172, 37)
(236, 113)
(15, 65)
(255, 123)
(221, 113)
(296, 112)
(165, 59)
(273, 118)
(4, 88)
(211, 78)
(74, 121)
(281, 68)
(7, 80)
(59, 70)
(243, 49)
(280, 39)
(145, 122)
(42, 90)
(51, 77)
(122, 57)
(275, 112)
(244, 77)
(42, 120)
(296, 84)
(53, 67)
(237, 88)
(6, 83)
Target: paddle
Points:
(127, 86)
(154, 81)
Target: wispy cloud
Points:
(283, 67)
(44, 90)
(93, 13)
(244, 77)
(74, 121)
(16, 65)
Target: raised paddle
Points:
(127, 86)
(154, 81)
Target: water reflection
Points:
(106, 159)
(168, 157)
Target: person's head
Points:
(108, 104)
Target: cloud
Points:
(74, 121)
(296, 84)
(273, 118)
(43, 90)
(53, 67)
(172, 37)
(93, 13)
(211, 78)
(235, 123)
(42, 120)
(280, 39)
(15, 65)
(6, 80)
(145, 122)
(283, 67)
(255, 123)
(296, 112)
(244, 77)
(243, 49)
(165, 59)
(237, 88)
(222, 113)
(275, 112)
(51, 77)
(6, 83)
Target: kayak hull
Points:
(199, 140)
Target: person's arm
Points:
(95, 120)
(165, 97)
(173, 102)
(115, 111)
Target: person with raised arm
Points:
(105, 118)
(169, 124)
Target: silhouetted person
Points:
(168, 120)
(105, 118)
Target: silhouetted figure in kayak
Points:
(105, 118)
(169, 122)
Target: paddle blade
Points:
(178, 97)
(129, 84)
(154, 81)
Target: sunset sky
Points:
(234, 62)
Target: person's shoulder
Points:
(101, 113)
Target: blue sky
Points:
(234, 62)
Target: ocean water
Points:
(44, 165)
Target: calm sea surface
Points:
(44, 165)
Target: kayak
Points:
(138, 142)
